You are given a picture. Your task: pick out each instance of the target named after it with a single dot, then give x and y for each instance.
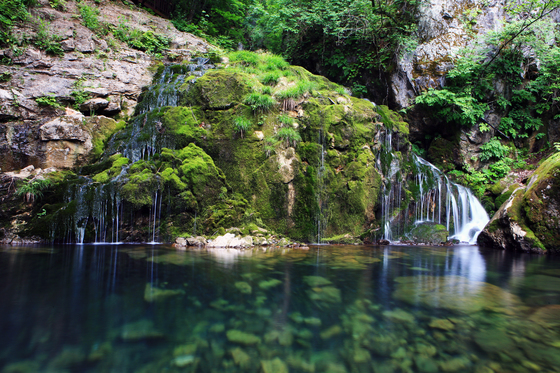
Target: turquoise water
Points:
(144, 308)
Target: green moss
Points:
(102, 131)
(392, 120)
(441, 154)
(219, 89)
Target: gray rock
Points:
(196, 241)
(94, 105)
(180, 241)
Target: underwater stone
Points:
(243, 287)
(399, 316)
(68, 357)
(455, 293)
(265, 285)
(153, 294)
(458, 364)
(140, 330)
(217, 328)
(493, 341)
(425, 364)
(443, 324)
(313, 321)
(548, 315)
(331, 332)
(361, 355)
(326, 294)
(237, 336)
(315, 281)
(183, 360)
(274, 366)
(99, 352)
(241, 358)
(26, 366)
(184, 350)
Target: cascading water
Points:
(95, 211)
(428, 197)
(321, 219)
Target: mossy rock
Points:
(393, 120)
(429, 233)
(441, 153)
(220, 89)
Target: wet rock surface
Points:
(529, 219)
(111, 77)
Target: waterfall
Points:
(320, 218)
(93, 210)
(431, 197)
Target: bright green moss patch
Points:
(392, 120)
(220, 89)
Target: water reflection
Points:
(150, 308)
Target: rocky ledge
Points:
(529, 220)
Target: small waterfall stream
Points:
(95, 211)
(433, 198)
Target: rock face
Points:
(91, 75)
(444, 27)
(530, 219)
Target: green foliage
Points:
(241, 125)
(48, 101)
(58, 4)
(12, 11)
(219, 21)
(79, 93)
(299, 89)
(557, 146)
(90, 16)
(47, 40)
(147, 41)
(30, 191)
(493, 149)
(259, 102)
(289, 135)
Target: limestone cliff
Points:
(94, 72)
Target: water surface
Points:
(146, 308)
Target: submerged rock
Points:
(326, 294)
(442, 324)
(241, 358)
(153, 294)
(455, 293)
(243, 287)
(274, 366)
(314, 281)
(140, 330)
(183, 360)
(399, 316)
(547, 315)
(237, 336)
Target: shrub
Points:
(260, 102)
(147, 41)
(270, 77)
(11, 11)
(89, 15)
(288, 134)
(241, 125)
(48, 101)
(46, 40)
(33, 190)
(493, 149)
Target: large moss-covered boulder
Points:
(530, 219)
(219, 89)
(428, 233)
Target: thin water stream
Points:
(151, 308)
